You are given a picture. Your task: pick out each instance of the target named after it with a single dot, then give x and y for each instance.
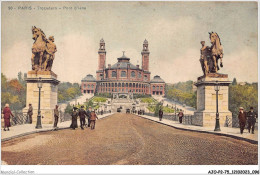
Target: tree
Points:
(234, 82)
(157, 108)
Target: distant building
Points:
(123, 76)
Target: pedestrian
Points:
(93, 118)
(251, 120)
(74, 115)
(7, 113)
(242, 119)
(82, 116)
(102, 112)
(88, 115)
(160, 114)
(30, 113)
(180, 115)
(56, 117)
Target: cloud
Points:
(76, 56)
(242, 65)
(183, 68)
(15, 59)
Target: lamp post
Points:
(39, 123)
(217, 88)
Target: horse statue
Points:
(216, 51)
(43, 50)
(210, 55)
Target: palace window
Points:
(123, 74)
(145, 77)
(132, 74)
(84, 86)
(119, 84)
(139, 75)
(157, 88)
(92, 86)
(134, 85)
(153, 87)
(114, 74)
(115, 84)
(161, 88)
(126, 85)
(88, 86)
(130, 84)
(123, 84)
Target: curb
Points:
(220, 134)
(37, 131)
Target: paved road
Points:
(127, 139)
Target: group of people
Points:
(249, 117)
(180, 115)
(82, 114)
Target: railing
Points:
(19, 118)
(235, 122)
(64, 116)
(186, 120)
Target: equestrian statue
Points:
(43, 50)
(210, 55)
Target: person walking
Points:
(82, 115)
(242, 119)
(56, 117)
(30, 113)
(251, 120)
(160, 114)
(74, 115)
(88, 115)
(93, 117)
(180, 115)
(7, 113)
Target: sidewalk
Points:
(26, 129)
(225, 131)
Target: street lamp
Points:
(217, 88)
(39, 123)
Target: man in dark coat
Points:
(74, 115)
(7, 113)
(56, 117)
(88, 115)
(180, 115)
(251, 119)
(242, 119)
(82, 115)
(160, 114)
(30, 113)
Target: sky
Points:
(173, 29)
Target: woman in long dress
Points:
(74, 115)
(7, 116)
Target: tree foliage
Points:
(68, 91)
(13, 92)
(243, 96)
(182, 92)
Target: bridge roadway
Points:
(127, 139)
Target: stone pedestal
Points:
(206, 101)
(49, 94)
